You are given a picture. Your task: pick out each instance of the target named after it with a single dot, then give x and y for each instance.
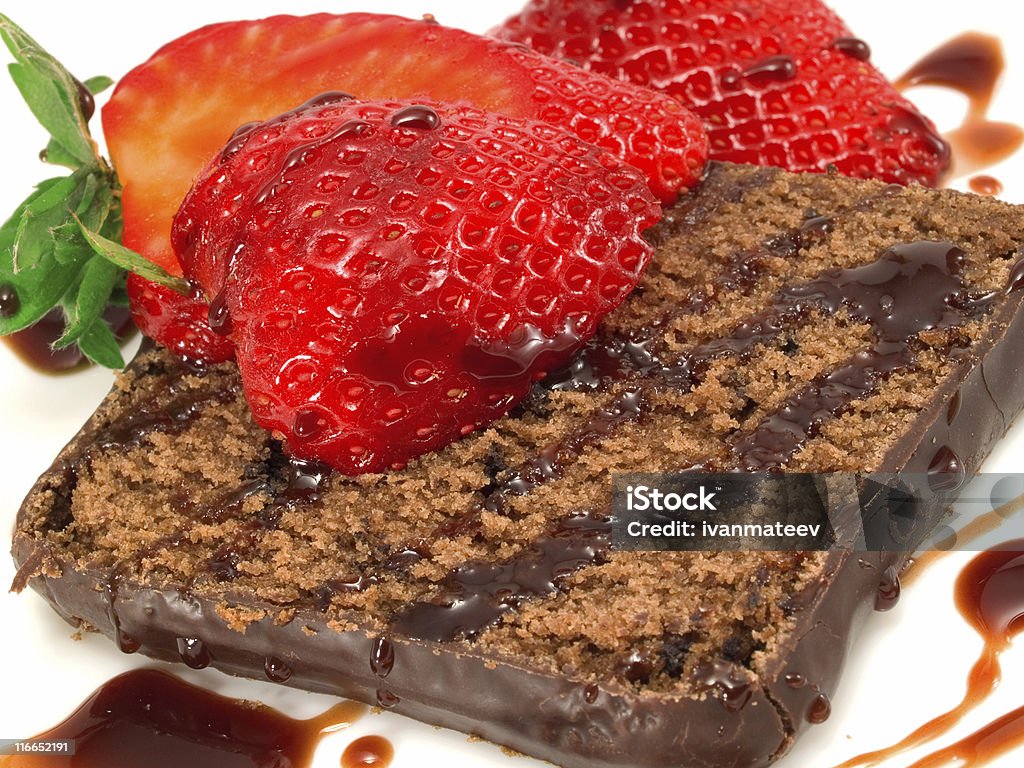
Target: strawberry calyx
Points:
(61, 246)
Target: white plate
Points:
(909, 665)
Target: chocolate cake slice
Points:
(798, 323)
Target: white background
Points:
(909, 665)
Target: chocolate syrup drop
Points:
(416, 116)
(150, 718)
(306, 479)
(762, 73)
(193, 652)
(276, 670)
(1016, 279)
(853, 47)
(795, 680)
(368, 752)
(820, 709)
(990, 596)
(638, 668)
(382, 661)
(985, 185)
(970, 64)
(721, 677)
(10, 302)
(772, 69)
(889, 589)
(382, 657)
(86, 101)
(946, 472)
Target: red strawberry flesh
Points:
(169, 116)
(181, 323)
(777, 82)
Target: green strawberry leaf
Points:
(61, 247)
(128, 259)
(98, 84)
(97, 280)
(99, 344)
(39, 286)
(51, 92)
(32, 240)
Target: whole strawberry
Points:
(398, 274)
(777, 82)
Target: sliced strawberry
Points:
(777, 82)
(398, 274)
(170, 115)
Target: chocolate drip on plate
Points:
(150, 718)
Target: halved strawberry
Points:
(170, 115)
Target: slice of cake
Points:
(800, 323)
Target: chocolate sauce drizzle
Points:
(283, 482)
(479, 593)
(911, 288)
(762, 73)
(990, 597)
(244, 133)
(971, 64)
(126, 432)
(605, 359)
